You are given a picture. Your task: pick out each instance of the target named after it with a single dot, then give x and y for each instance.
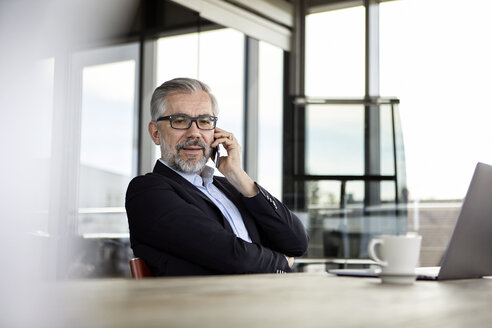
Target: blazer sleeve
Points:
(160, 217)
(280, 228)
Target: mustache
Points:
(188, 143)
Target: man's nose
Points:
(193, 130)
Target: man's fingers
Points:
(223, 137)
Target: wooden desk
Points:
(290, 300)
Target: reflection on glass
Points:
(323, 194)
(354, 194)
(386, 141)
(335, 53)
(343, 229)
(401, 164)
(107, 145)
(388, 192)
(346, 236)
(334, 140)
(270, 118)
(40, 131)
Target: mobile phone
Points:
(216, 156)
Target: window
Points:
(335, 53)
(440, 69)
(214, 57)
(335, 140)
(270, 118)
(108, 138)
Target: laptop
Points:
(469, 250)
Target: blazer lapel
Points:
(167, 172)
(163, 170)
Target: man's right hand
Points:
(230, 165)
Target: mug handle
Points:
(372, 251)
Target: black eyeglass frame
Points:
(192, 119)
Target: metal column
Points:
(372, 116)
(294, 115)
(251, 107)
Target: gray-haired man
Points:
(186, 221)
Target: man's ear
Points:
(154, 132)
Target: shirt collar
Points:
(205, 178)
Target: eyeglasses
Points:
(183, 122)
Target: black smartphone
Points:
(216, 156)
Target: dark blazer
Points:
(178, 231)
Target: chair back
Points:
(139, 269)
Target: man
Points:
(184, 220)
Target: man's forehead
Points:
(197, 100)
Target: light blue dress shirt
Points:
(204, 183)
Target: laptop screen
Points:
(469, 251)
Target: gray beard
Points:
(172, 158)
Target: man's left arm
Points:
(282, 228)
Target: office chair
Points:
(139, 269)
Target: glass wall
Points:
(341, 220)
(347, 202)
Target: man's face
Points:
(184, 150)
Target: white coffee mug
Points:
(398, 256)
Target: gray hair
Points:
(158, 103)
